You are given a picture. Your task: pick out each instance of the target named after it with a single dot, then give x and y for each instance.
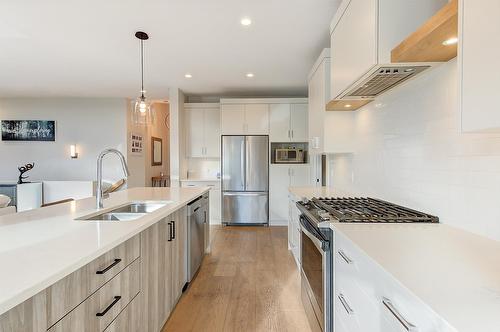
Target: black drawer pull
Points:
(116, 261)
(100, 314)
(169, 231)
(173, 230)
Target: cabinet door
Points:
(156, 281)
(257, 119)
(212, 133)
(195, 133)
(215, 206)
(353, 44)
(318, 97)
(179, 253)
(279, 181)
(232, 119)
(279, 123)
(129, 319)
(479, 70)
(299, 176)
(298, 122)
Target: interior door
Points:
(233, 163)
(257, 163)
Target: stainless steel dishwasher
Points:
(197, 218)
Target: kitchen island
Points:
(50, 261)
(419, 277)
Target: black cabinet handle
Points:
(100, 314)
(205, 217)
(169, 232)
(116, 261)
(173, 230)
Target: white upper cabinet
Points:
(329, 132)
(288, 122)
(232, 119)
(298, 122)
(257, 119)
(279, 118)
(363, 34)
(478, 55)
(202, 130)
(354, 44)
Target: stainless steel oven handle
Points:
(317, 242)
(406, 324)
(346, 305)
(345, 257)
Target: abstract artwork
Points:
(29, 130)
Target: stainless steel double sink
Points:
(127, 212)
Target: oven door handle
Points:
(307, 230)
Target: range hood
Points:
(362, 68)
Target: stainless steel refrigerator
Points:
(245, 179)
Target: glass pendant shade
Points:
(143, 113)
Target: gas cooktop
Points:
(361, 210)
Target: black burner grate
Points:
(371, 210)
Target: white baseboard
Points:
(278, 223)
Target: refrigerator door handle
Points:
(246, 161)
(245, 194)
(242, 164)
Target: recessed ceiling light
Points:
(451, 41)
(249, 75)
(188, 75)
(347, 105)
(246, 21)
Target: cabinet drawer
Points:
(67, 293)
(102, 307)
(129, 319)
(359, 276)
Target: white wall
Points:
(410, 150)
(91, 124)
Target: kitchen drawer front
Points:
(211, 184)
(67, 293)
(129, 319)
(392, 301)
(100, 309)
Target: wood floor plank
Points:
(249, 282)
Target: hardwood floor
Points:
(249, 282)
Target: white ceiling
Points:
(87, 48)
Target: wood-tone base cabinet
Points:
(131, 288)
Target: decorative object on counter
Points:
(72, 151)
(160, 181)
(156, 151)
(22, 170)
(29, 130)
(4, 201)
(136, 144)
(143, 112)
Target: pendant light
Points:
(143, 112)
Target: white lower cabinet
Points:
(281, 177)
(367, 298)
(294, 228)
(215, 197)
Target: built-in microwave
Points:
(287, 155)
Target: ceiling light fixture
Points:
(188, 75)
(246, 21)
(249, 75)
(143, 112)
(450, 41)
(347, 105)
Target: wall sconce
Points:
(73, 152)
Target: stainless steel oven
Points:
(316, 275)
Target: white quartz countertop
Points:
(201, 180)
(455, 272)
(40, 247)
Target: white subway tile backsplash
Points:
(409, 149)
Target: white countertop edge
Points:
(39, 286)
(201, 180)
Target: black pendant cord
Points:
(142, 68)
